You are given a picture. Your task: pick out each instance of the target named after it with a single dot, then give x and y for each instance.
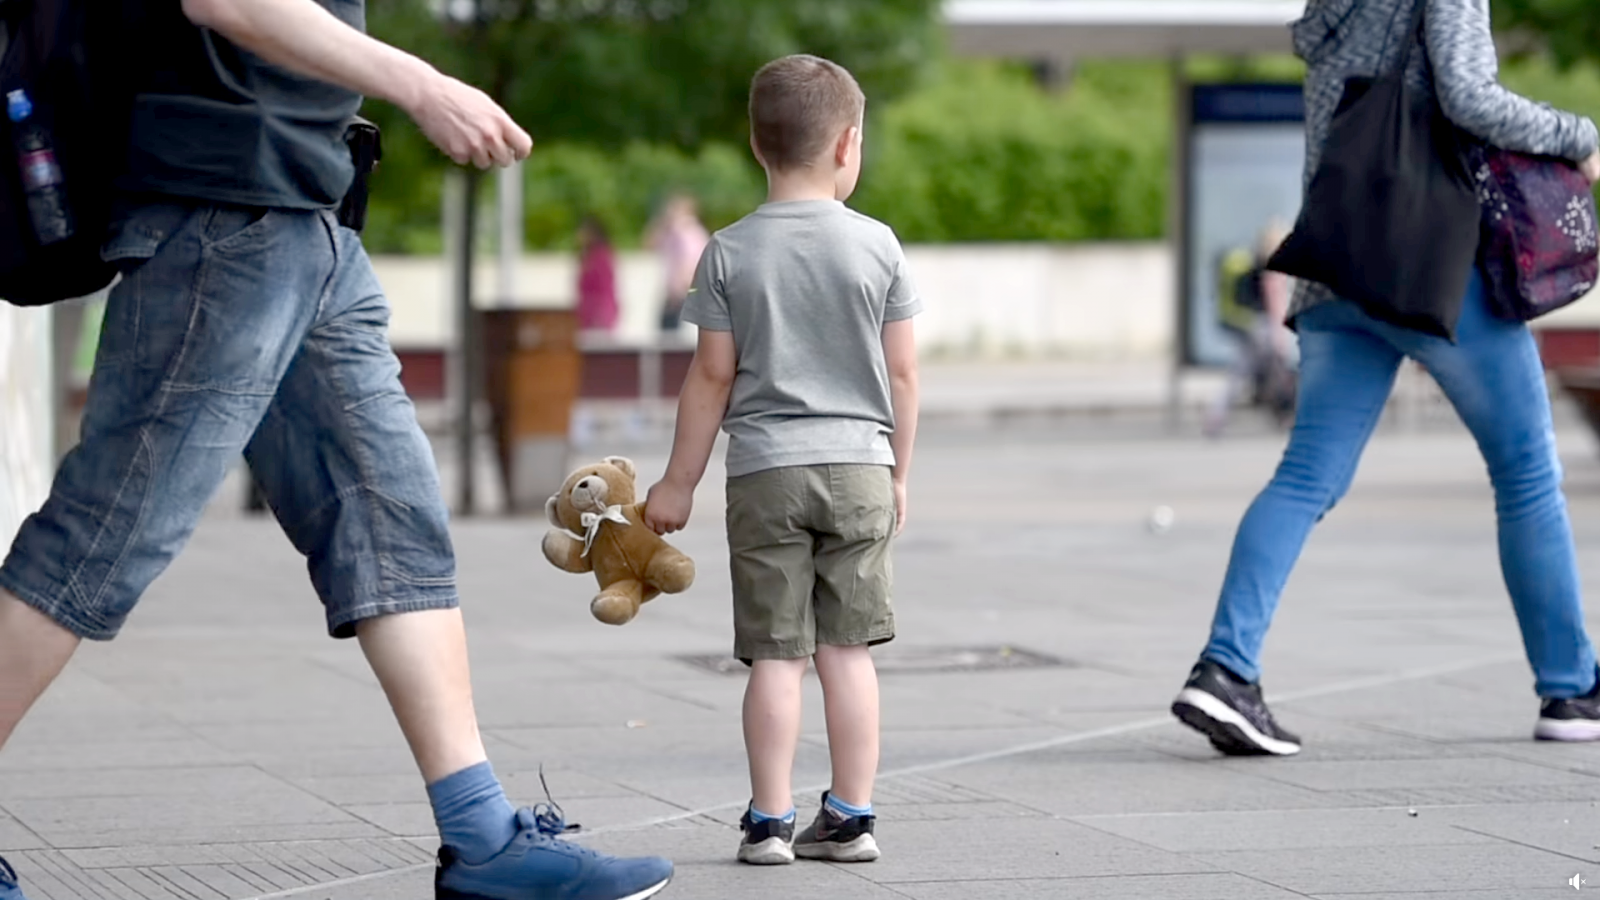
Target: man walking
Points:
(248, 320)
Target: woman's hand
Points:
(1591, 168)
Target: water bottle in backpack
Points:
(41, 174)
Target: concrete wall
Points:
(1101, 301)
(27, 423)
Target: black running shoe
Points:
(837, 838)
(766, 843)
(1231, 713)
(1575, 719)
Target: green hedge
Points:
(983, 154)
(566, 182)
(980, 153)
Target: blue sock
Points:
(757, 816)
(846, 810)
(475, 818)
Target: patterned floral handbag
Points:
(1540, 250)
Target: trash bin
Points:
(533, 369)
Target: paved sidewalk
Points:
(224, 749)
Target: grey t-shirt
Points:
(805, 287)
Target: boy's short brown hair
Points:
(798, 105)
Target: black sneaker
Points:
(1576, 719)
(1231, 713)
(837, 838)
(766, 843)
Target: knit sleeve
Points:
(1466, 74)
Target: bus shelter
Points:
(1239, 151)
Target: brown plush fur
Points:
(632, 563)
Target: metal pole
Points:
(510, 209)
(1178, 240)
(466, 361)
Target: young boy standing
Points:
(806, 358)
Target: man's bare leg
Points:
(33, 651)
(420, 659)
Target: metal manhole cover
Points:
(895, 659)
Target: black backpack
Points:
(69, 56)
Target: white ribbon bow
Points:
(591, 523)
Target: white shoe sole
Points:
(1572, 730)
(862, 849)
(773, 851)
(1222, 716)
(448, 894)
(649, 891)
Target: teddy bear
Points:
(633, 564)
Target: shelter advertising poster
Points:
(1244, 150)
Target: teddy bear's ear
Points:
(623, 463)
(552, 510)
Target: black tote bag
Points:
(1390, 220)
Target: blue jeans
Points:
(1494, 378)
(234, 331)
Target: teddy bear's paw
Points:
(558, 549)
(614, 610)
(672, 574)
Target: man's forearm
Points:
(903, 399)
(302, 37)
(701, 408)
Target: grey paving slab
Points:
(1288, 829)
(1014, 847)
(1065, 787)
(1203, 886)
(1571, 829)
(1421, 774)
(1517, 894)
(225, 748)
(1396, 869)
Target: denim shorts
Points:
(240, 330)
(810, 559)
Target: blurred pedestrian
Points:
(597, 278)
(1253, 303)
(1491, 373)
(677, 235)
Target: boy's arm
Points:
(701, 408)
(900, 352)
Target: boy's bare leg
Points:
(850, 699)
(772, 731)
(420, 659)
(33, 651)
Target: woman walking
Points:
(1492, 375)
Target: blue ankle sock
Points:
(758, 816)
(846, 810)
(475, 818)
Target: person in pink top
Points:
(597, 278)
(679, 237)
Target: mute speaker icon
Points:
(1577, 882)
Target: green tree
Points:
(1569, 29)
(614, 73)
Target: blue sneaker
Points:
(9, 889)
(537, 865)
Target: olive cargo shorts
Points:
(809, 547)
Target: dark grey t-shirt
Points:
(805, 287)
(214, 122)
